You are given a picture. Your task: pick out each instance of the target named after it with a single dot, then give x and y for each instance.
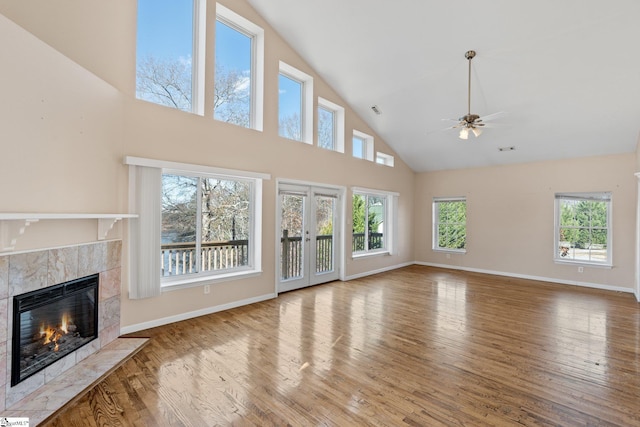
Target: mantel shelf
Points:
(13, 225)
(38, 216)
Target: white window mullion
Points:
(198, 249)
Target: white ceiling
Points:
(566, 73)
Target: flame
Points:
(65, 323)
(52, 335)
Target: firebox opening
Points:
(52, 322)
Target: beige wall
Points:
(90, 120)
(510, 216)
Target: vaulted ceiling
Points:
(565, 73)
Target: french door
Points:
(309, 230)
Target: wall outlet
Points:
(448, 256)
(580, 269)
(207, 289)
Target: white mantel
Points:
(14, 225)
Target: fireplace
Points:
(50, 323)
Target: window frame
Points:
(389, 223)
(255, 242)
(384, 159)
(256, 33)
(367, 145)
(198, 35)
(338, 124)
(306, 104)
(435, 244)
(602, 196)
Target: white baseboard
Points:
(190, 315)
(526, 276)
(381, 270)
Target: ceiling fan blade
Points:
(492, 116)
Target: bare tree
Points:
(289, 127)
(169, 82)
(164, 81)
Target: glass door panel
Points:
(308, 234)
(292, 225)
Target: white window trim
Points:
(306, 118)
(229, 17)
(390, 222)
(255, 268)
(585, 196)
(384, 159)
(199, 57)
(368, 144)
(338, 130)
(435, 223)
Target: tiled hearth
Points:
(25, 272)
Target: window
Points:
(239, 70)
(205, 221)
(583, 228)
(295, 106)
(167, 70)
(330, 125)
(362, 145)
(450, 224)
(384, 159)
(373, 213)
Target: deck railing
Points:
(357, 242)
(292, 253)
(180, 258)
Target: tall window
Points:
(165, 52)
(450, 224)
(330, 125)
(372, 221)
(295, 104)
(206, 224)
(238, 70)
(583, 227)
(362, 145)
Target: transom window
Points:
(362, 145)
(450, 224)
(171, 53)
(295, 110)
(330, 125)
(384, 159)
(583, 228)
(165, 53)
(238, 70)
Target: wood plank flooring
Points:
(417, 346)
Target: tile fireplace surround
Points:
(28, 271)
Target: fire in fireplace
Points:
(52, 322)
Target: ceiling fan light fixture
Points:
(476, 131)
(464, 133)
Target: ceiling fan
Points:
(471, 122)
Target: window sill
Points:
(192, 282)
(370, 254)
(584, 263)
(450, 251)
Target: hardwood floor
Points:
(415, 346)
